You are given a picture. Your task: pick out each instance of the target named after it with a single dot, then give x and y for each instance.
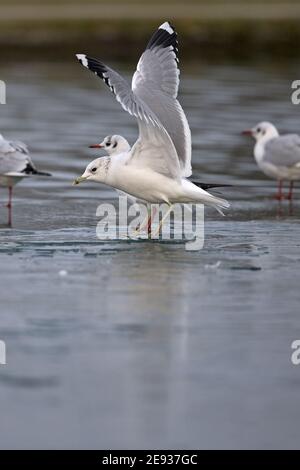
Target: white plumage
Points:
(278, 156)
(15, 164)
(156, 168)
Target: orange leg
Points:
(150, 220)
(279, 196)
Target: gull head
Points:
(262, 131)
(95, 171)
(113, 144)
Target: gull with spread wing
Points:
(156, 168)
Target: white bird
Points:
(278, 156)
(113, 144)
(15, 164)
(156, 168)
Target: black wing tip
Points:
(164, 36)
(43, 173)
(206, 186)
(31, 170)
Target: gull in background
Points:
(15, 164)
(113, 144)
(156, 168)
(278, 156)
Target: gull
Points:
(116, 144)
(113, 144)
(15, 164)
(156, 168)
(278, 156)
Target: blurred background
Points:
(53, 28)
(119, 344)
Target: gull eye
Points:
(93, 170)
(115, 144)
(258, 129)
(107, 144)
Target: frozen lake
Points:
(143, 344)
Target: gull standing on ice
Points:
(156, 168)
(118, 144)
(15, 164)
(278, 156)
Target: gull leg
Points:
(163, 219)
(9, 206)
(141, 226)
(279, 195)
(150, 220)
(290, 194)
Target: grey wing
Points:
(152, 131)
(121, 89)
(20, 147)
(13, 162)
(155, 150)
(283, 150)
(154, 90)
(156, 82)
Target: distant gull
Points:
(278, 156)
(15, 164)
(156, 168)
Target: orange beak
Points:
(96, 146)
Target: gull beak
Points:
(79, 180)
(96, 146)
(247, 132)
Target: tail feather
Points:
(216, 202)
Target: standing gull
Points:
(116, 144)
(156, 168)
(15, 164)
(278, 156)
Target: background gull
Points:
(15, 164)
(156, 168)
(277, 156)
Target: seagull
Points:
(15, 164)
(113, 144)
(278, 156)
(156, 168)
(118, 144)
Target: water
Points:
(143, 344)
